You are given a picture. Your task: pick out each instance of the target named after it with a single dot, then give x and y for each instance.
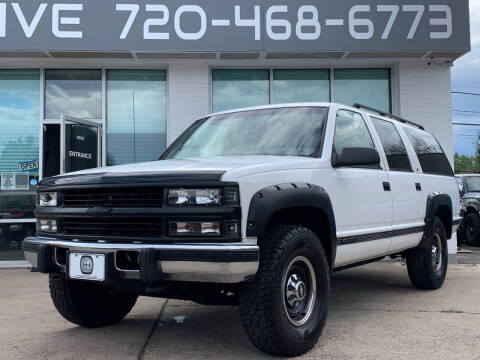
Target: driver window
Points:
(351, 131)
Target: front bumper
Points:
(216, 263)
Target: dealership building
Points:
(87, 83)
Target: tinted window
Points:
(351, 131)
(393, 145)
(429, 152)
(284, 131)
(73, 92)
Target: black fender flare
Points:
(434, 202)
(266, 202)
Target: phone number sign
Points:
(226, 25)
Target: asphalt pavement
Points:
(374, 314)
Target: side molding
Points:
(266, 202)
(434, 202)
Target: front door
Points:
(71, 144)
(361, 197)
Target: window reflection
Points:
(290, 86)
(75, 93)
(136, 115)
(369, 87)
(351, 131)
(234, 89)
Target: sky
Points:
(466, 78)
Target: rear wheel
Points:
(427, 264)
(471, 226)
(88, 304)
(284, 307)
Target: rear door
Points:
(360, 196)
(408, 206)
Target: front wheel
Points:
(284, 307)
(427, 265)
(471, 224)
(88, 304)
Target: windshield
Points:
(295, 131)
(473, 183)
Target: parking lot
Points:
(374, 313)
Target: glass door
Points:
(80, 144)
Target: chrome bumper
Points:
(229, 263)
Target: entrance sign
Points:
(226, 25)
(81, 145)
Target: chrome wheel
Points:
(299, 290)
(437, 261)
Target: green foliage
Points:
(468, 164)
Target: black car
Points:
(469, 231)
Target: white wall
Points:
(424, 97)
(188, 95)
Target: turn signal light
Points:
(47, 225)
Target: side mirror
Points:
(356, 156)
(461, 190)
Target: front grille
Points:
(129, 227)
(127, 197)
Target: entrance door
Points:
(71, 144)
(80, 143)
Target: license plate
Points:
(86, 266)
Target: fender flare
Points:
(267, 201)
(434, 202)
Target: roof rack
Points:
(386, 114)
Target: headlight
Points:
(194, 197)
(184, 228)
(47, 225)
(47, 199)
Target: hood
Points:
(212, 168)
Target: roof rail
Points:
(386, 114)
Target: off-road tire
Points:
(88, 304)
(261, 300)
(471, 229)
(421, 270)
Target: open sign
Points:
(28, 165)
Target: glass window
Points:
(136, 115)
(76, 93)
(285, 131)
(473, 184)
(233, 89)
(290, 86)
(370, 87)
(351, 131)
(430, 154)
(19, 119)
(393, 145)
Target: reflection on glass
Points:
(295, 131)
(291, 86)
(19, 119)
(234, 89)
(351, 131)
(393, 145)
(136, 115)
(75, 93)
(370, 87)
(430, 154)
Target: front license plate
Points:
(86, 266)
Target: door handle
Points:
(418, 186)
(386, 186)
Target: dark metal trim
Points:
(456, 222)
(386, 114)
(208, 255)
(378, 236)
(101, 180)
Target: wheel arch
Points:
(439, 205)
(295, 203)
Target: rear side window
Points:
(393, 145)
(430, 154)
(351, 131)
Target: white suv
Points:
(254, 207)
